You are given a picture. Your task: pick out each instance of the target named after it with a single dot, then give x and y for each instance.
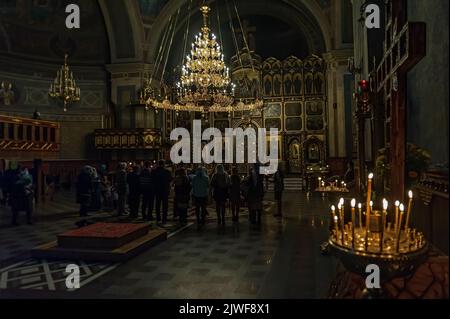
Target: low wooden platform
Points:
(102, 236)
(124, 244)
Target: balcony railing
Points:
(131, 139)
(28, 135)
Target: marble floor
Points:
(279, 259)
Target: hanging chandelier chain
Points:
(170, 44)
(243, 35)
(186, 34)
(233, 32)
(160, 51)
(219, 25)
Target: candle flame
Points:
(335, 218)
(353, 202)
(397, 203)
(339, 206)
(333, 208)
(410, 194)
(371, 203)
(385, 204)
(359, 205)
(341, 201)
(370, 175)
(402, 208)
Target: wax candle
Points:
(408, 211)
(352, 204)
(369, 196)
(336, 227)
(383, 214)
(397, 204)
(402, 210)
(341, 222)
(360, 214)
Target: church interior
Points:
(94, 205)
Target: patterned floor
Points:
(280, 259)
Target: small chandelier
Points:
(64, 86)
(205, 84)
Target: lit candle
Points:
(336, 227)
(408, 211)
(369, 195)
(402, 210)
(352, 204)
(397, 203)
(383, 214)
(341, 222)
(360, 215)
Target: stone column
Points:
(336, 68)
(126, 81)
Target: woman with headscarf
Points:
(200, 187)
(220, 184)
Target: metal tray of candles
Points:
(391, 265)
(395, 248)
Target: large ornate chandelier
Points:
(64, 86)
(205, 84)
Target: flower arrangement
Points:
(417, 162)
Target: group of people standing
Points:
(18, 192)
(147, 187)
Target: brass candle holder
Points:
(390, 244)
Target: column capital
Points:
(338, 55)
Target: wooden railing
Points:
(19, 134)
(132, 139)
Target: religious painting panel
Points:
(314, 151)
(273, 123)
(247, 83)
(268, 85)
(294, 156)
(273, 110)
(314, 123)
(287, 84)
(318, 83)
(293, 124)
(314, 107)
(297, 84)
(309, 83)
(293, 108)
(277, 85)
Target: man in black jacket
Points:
(134, 191)
(162, 179)
(148, 192)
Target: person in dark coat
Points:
(147, 191)
(278, 180)
(220, 184)
(235, 195)
(182, 187)
(134, 191)
(200, 190)
(121, 188)
(162, 179)
(255, 195)
(22, 195)
(84, 189)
